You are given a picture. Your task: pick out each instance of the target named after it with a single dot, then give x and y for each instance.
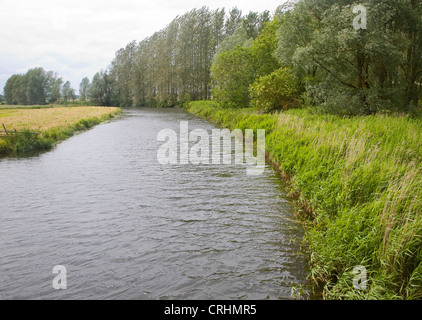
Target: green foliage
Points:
(100, 91)
(238, 38)
(36, 87)
(68, 93)
(54, 91)
(357, 187)
(161, 69)
(235, 70)
(348, 71)
(274, 91)
(232, 75)
(84, 89)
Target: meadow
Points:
(39, 128)
(356, 184)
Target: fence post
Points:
(5, 130)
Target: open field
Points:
(357, 185)
(50, 124)
(45, 119)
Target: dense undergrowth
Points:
(357, 186)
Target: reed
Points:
(357, 187)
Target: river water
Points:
(126, 227)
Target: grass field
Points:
(357, 185)
(47, 118)
(50, 124)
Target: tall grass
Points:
(357, 185)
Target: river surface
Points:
(126, 227)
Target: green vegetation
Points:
(275, 91)
(37, 87)
(336, 68)
(174, 64)
(40, 128)
(357, 185)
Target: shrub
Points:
(274, 91)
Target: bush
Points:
(232, 74)
(274, 91)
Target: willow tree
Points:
(351, 70)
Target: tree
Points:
(19, 92)
(36, 81)
(83, 89)
(68, 92)
(234, 21)
(344, 70)
(238, 38)
(54, 91)
(35, 87)
(100, 91)
(236, 67)
(9, 89)
(232, 74)
(122, 72)
(274, 91)
(407, 22)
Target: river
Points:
(126, 227)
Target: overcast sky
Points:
(78, 38)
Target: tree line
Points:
(173, 65)
(323, 61)
(307, 53)
(37, 87)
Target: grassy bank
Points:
(50, 125)
(357, 185)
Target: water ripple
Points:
(126, 227)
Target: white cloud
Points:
(78, 38)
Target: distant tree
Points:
(54, 87)
(83, 89)
(15, 90)
(36, 85)
(9, 89)
(100, 90)
(234, 21)
(238, 38)
(68, 93)
(251, 24)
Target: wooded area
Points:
(37, 86)
(325, 62)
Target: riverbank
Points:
(41, 128)
(357, 186)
